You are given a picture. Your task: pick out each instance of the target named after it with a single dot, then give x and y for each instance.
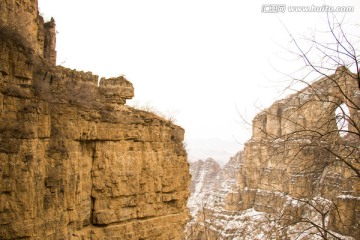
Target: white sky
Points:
(199, 60)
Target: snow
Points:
(304, 96)
(200, 182)
(267, 192)
(349, 197)
(193, 202)
(251, 224)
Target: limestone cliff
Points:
(298, 177)
(75, 161)
(300, 165)
(210, 186)
(210, 183)
(205, 181)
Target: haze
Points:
(205, 63)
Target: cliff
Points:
(209, 188)
(298, 177)
(301, 166)
(205, 180)
(75, 161)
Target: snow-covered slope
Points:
(213, 204)
(210, 185)
(205, 179)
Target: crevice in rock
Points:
(92, 198)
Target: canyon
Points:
(76, 162)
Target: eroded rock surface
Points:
(298, 166)
(210, 187)
(299, 176)
(75, 161)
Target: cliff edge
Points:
(75, 161)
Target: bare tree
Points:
(313, 136)
(311, 141)
(200, 227)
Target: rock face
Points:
(298, 154)
(205, 177)
(210, 185)
(75, 162)
(19, 20)
(299, 174)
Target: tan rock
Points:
(288, 156)
(75, 161)
(296, 171)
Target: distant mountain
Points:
(219, 150)
(213, 202)
(210, 183)
(204, 181)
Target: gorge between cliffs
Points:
(77, 162)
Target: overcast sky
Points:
(201, 61)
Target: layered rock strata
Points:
(210, 184)
(75, 161)
(299, 153)
(299, 176)
(210, 187)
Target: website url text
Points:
(282, 8)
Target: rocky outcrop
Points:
(210, 186)
(298, 154)
(205, 179)
(298, 177)
(75, 161)
(21, 23)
